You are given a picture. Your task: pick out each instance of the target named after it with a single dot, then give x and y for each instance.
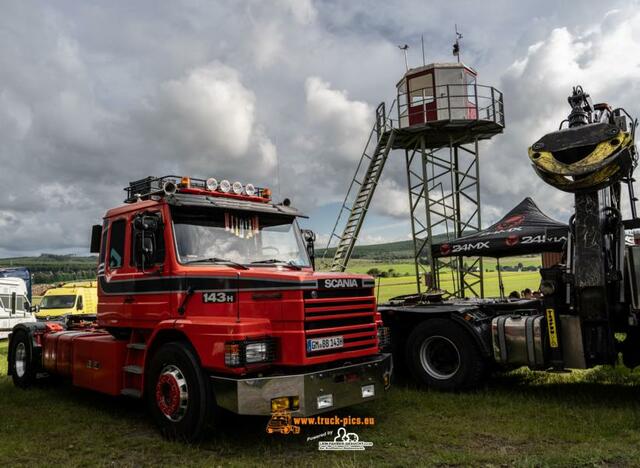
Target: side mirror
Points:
(147, 227)
(310, 237)
(79, 306)
(148, 249)
(146, 223)
(35, 309)
(96, 235)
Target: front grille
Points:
(349, 313)
(327, 293)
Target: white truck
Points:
(14, 305)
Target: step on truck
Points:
(589, 310)
(208, 299)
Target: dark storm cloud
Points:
(94, 94)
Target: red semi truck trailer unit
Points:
(208, 299)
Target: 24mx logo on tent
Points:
(447, 249)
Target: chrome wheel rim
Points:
(439, 357)
(21, 360)
(172, 393)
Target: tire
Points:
(443, 356)
(21, 363)
(178, 393)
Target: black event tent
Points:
(524, 230)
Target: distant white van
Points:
(14, 305)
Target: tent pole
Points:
(500, 284)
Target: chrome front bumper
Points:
(254, 395)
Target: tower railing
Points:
(450, 102)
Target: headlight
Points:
(256, 352)
(242, 353)
(212, 184)
(225, 186)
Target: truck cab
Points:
(76, 298)
(207, 296)
(19, 272)
(14, 305)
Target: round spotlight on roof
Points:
(237, 188)
(212, 184)
(225, 186)
(250, 190)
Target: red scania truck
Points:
(208, 299)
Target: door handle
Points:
(129, 299)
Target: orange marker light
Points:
(185, 182)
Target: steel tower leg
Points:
(466, 170)
(444, 199)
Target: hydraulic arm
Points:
(590, 156)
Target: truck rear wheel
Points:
(21, 366)
(178, 392)
(441, 355)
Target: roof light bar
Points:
(169, 185)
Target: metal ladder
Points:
(383, 135)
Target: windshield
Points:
(243, 238)
(58, 302)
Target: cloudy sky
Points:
(278, 93)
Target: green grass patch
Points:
(522, 418)
(405, 283)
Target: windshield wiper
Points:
(289, 264)
(218, 260)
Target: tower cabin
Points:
(437, 91)
(444, 99)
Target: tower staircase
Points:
(361, 190)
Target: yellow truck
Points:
(75, 298)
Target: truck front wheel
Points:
(178, 392)
(441, 355)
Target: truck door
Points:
(149, 272)
(19, 309)
(112, 275)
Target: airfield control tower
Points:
(439, 116)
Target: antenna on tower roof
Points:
(456, 45)
(404, 48)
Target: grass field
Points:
(523, 418)
(512, 280)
